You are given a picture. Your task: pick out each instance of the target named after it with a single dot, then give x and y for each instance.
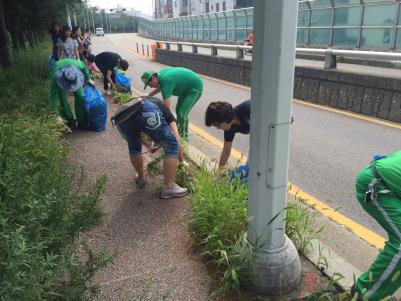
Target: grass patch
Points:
(219, 223)
(25, 86)
(45, 203)
(155, 165)
(121, 98)
(185, 175)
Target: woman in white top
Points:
(67, 47)
(76, 35)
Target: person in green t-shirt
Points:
(177, 81)
(378, 190)
(69, 75)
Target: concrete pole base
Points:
(277, 271)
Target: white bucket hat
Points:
(69, 78)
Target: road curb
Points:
(324, 258)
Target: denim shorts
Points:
(149, 119)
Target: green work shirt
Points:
(389, 169)
(177, 81)
(79, 64)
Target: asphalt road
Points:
(327, 149)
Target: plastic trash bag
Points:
(96, 108)
(241, 173)
(122, 82)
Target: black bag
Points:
(127, 110)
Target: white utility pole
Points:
(101, 19)
(277, 266)
(75, 19)
(68, 16)
(87, 14)
(93, 23)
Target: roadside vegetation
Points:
(121, 98)
(218, 224)
(45, 203)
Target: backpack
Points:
(127, 110)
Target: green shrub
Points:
(219, 223)
(45, 203)
(25, 86)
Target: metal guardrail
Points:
(345, 24)
(330, 54)
(239, 49)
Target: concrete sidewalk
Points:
(149, 234)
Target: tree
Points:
(4, 50)
(26, 20)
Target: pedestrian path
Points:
(149, 234)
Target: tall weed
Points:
(219, 223)
(25, 86)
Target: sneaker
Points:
(183, 164)
(173, 191)
(141, 182)
(107, 92)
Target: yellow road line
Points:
(222, 81)
(351, 114)
(359, 230)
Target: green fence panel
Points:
(367, 24)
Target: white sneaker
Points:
(107, 92)
(174, 191)
(183, 164)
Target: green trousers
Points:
(184, 105)
(59, 103)
(383, 277)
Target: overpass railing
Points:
(346, 24)
(329, 53)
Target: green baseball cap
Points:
(146, 77)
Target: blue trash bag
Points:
(122, 82)
(96, 108)
(241, 173)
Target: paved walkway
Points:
(149, 234)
